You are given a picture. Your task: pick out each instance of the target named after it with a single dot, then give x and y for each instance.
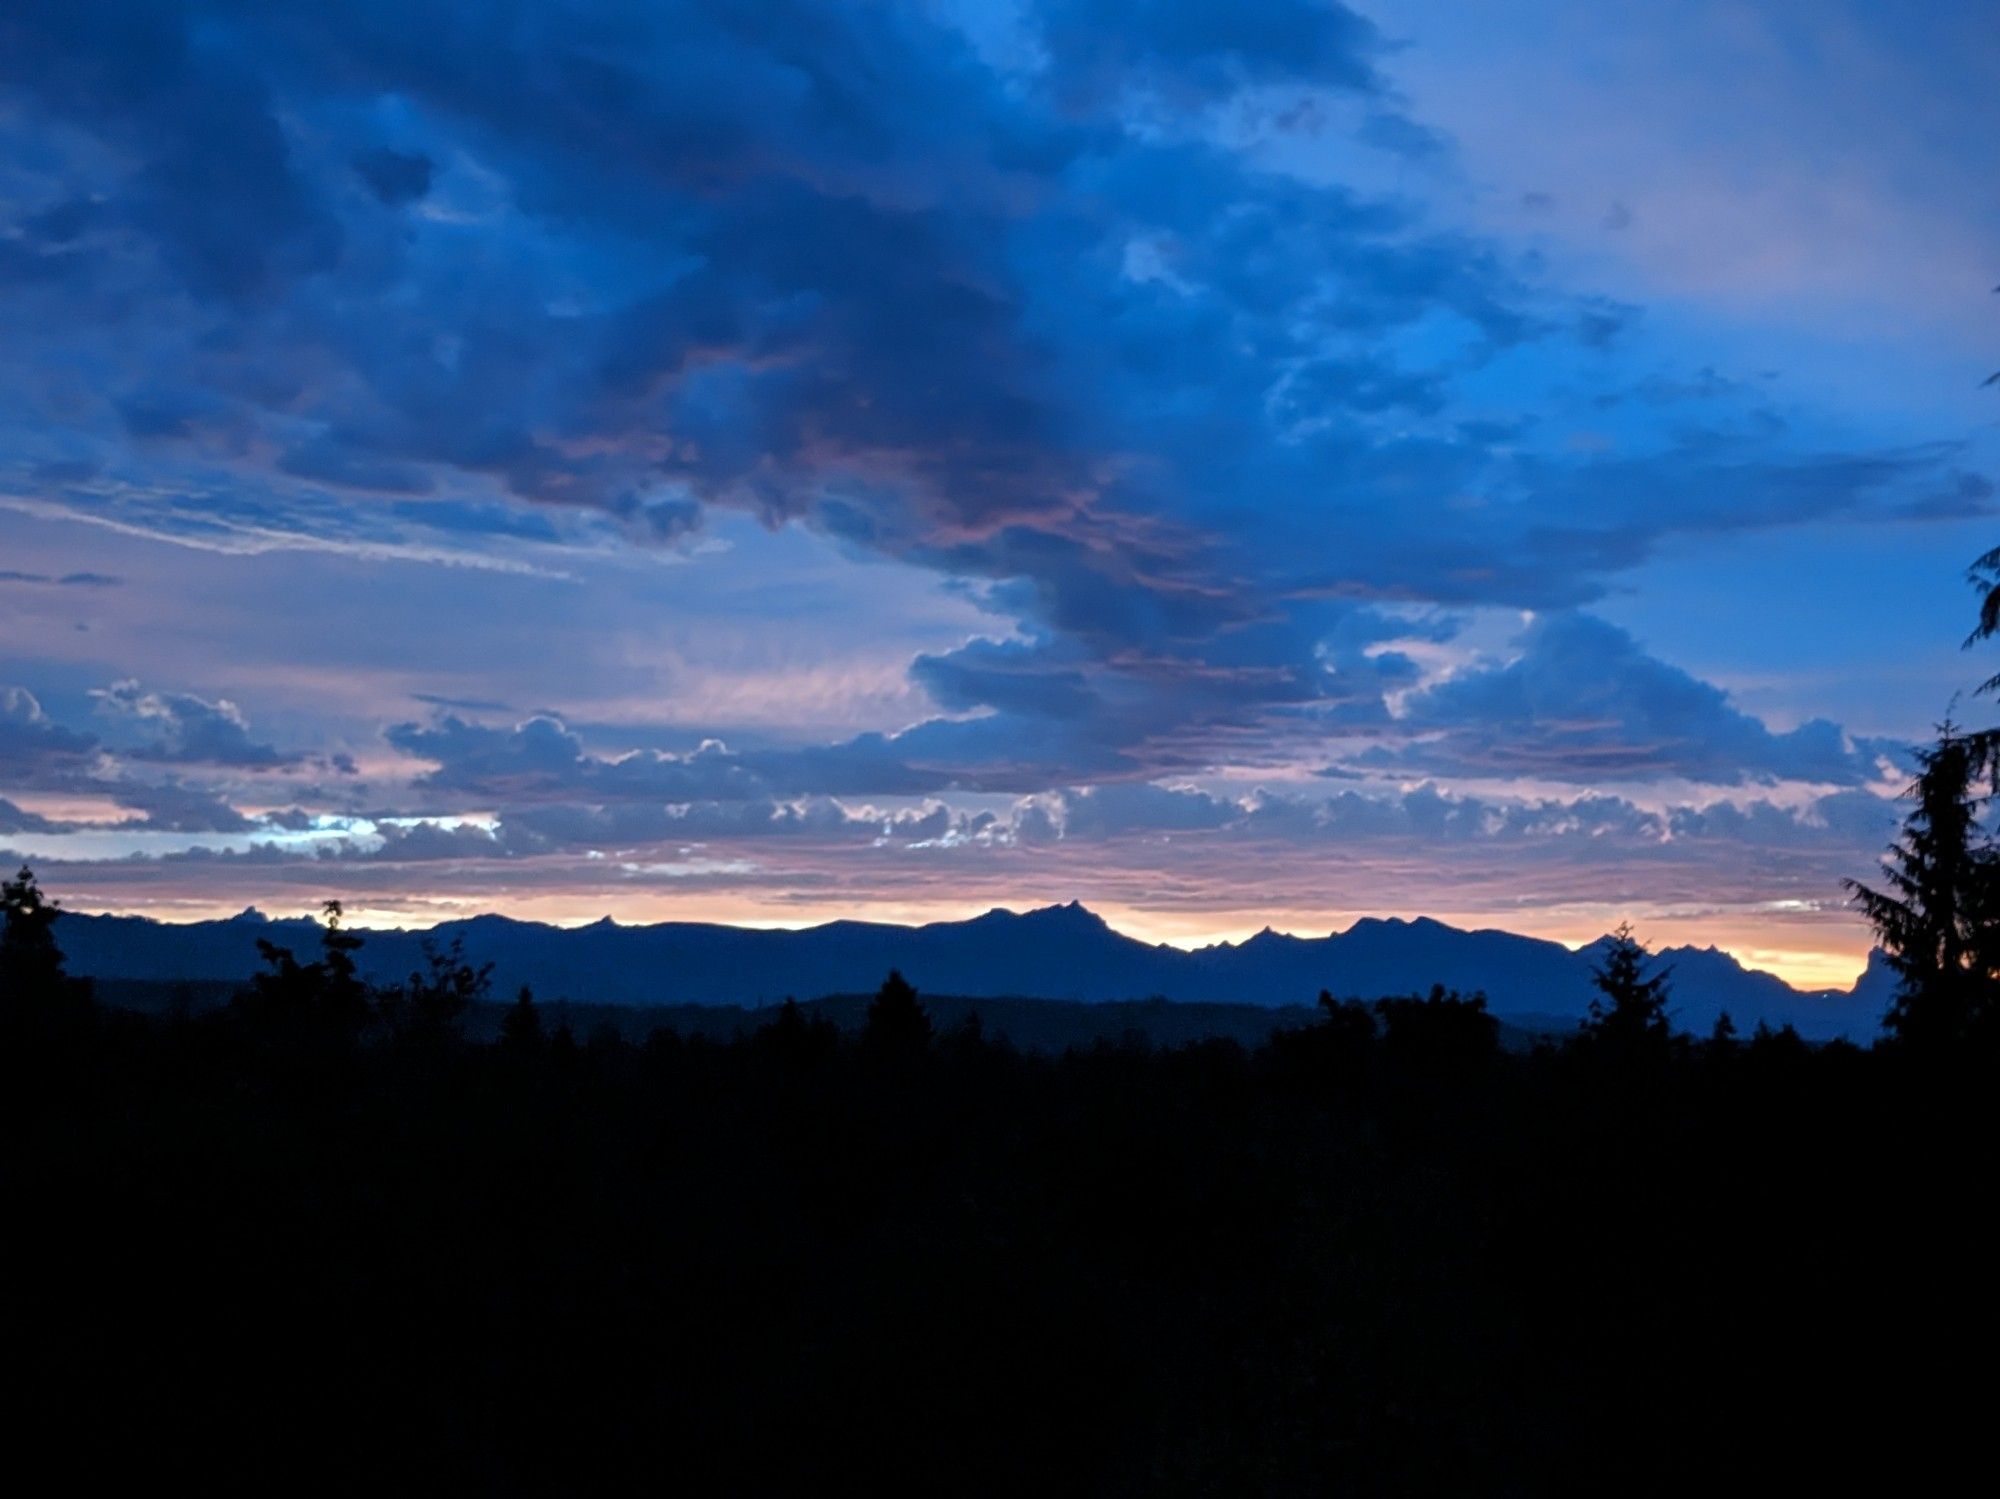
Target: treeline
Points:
(322, 1004)
(315, 1239)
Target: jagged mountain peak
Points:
(1072, 914)
(1270, 939)
(1060, 951)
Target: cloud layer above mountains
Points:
(582, 430)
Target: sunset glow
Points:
(894, 461)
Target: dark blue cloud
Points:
(35, 750)
(1015, 677)
(180, 728)
(1850, 823)
(210, 175)
(535, 830)
(1028, 321)
(65, 580)
(880, 309)
(424, 841)
(1582, 702)
(461, 704)
(176, 807)
(15, 819)
(1198, 49)
(542, 758)
(396, 177)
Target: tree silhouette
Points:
(337, 947)
(33, 985)
(1294, 1262)
(1348, 1026)
(29, 958)
(970, 1033)
(1936, 915)
(325, 999)
(896, 1021)
(1443, 1026)
(1984, 575)
(1633, 1011)
(797, 1036)
(431, 1005)
(788, 1030)
(521, 1027)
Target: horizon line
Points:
(363, 918)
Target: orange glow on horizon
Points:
(1807, 950)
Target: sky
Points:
(1232, 462)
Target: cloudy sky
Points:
(1229, 461)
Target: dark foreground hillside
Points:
(242, 1248)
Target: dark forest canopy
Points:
(316, 1227)
(1058, 952)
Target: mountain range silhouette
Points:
(1064, 952)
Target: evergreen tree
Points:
(798, 1036)
(521, 1027)
(1984, 575)
(896, 1021)
(1937, 916)
(1632, 1013)
(788, 1032)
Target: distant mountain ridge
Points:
(1064, 952)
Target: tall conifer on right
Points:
(1937, 913)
